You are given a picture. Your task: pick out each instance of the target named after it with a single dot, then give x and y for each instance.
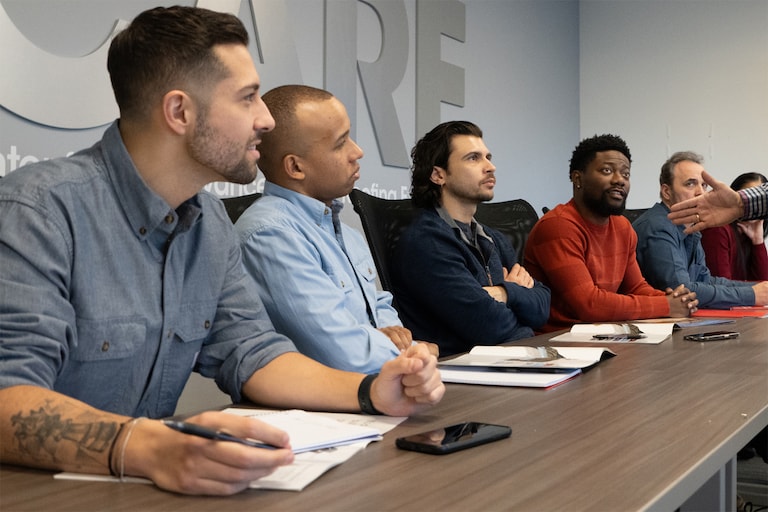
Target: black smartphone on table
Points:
(712, 336)
(453, 438)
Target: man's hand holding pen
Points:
(192, 464)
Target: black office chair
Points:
(235, 206)
(633, 214)
(383, 220)
(514, 219)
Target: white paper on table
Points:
(655, 333)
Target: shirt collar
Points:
(316, 210)
(452, 223)
(145, 210)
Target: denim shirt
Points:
(112, 297)
(668, 257)
(316, 293)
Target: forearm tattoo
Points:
(40, 433)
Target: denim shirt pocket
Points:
(192, 328)
(366, 270)
(344, 281)
(104, 340)
(196, 321)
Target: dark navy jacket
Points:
(437, 281)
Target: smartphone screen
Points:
(712, 336)
(453, 438)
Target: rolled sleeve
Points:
(244, 339)
(37, 322)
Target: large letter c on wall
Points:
(52, 90)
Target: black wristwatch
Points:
(364, 395)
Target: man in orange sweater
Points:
(584, 250)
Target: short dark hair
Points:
(285, 138)
(432, 150)
(665, 177)
(168, 48)
(588, 148)
(748, 177)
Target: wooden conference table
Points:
(644, 430)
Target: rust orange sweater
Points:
(591, 270)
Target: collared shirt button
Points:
(169, 219)
(207, 324)
(105, 346)
(142, 230)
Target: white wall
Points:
(677, 75)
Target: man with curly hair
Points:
(456, 282)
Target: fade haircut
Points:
(666, 177)
(588, 148)
(285, 138)
(432, 150)
(164, 49)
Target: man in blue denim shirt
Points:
(667, 255)
(119, 277)
(315, 274)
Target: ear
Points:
(178, 111)
(438, 175)
(576, 178)
(666, 193)
(293, 167)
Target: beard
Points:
(221, 154)
(602, 207)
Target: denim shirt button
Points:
(207, 324)
(169, 219)
(105, 346)
(142, 230)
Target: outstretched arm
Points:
(718, 207)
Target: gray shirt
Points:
(110, 296)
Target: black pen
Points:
(216, 435)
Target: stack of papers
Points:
(309, 431)
(653, 333)
(320, 440)
(521, 366)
